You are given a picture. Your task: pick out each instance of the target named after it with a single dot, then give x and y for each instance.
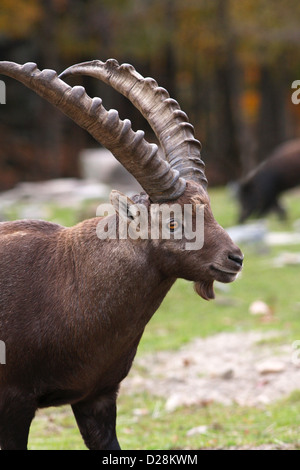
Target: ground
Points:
(247, 368)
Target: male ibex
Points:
(73, 307)
(259, 192)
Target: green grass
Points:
(225, 425)
(183, 316)
(143, 424)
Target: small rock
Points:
(197, 430)
(270, 367)
(248, 233)
(140, 412)
(286, 259)
(260, 308)
(227, 374)
(283, 238)
(174, 402)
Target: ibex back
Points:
(73, 307)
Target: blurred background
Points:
(230, 65)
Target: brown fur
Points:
(73, 309)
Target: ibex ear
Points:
(122, 205)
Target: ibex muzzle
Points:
(73, 305)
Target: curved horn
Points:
(168, 121)
(140, 158)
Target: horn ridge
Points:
(128, 146)
(161, 111)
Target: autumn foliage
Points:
(230, 64)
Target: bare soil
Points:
(247, 368)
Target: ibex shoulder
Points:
(24, 227)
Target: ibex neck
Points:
(119, 275)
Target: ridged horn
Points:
(140, 158)
(168, 121)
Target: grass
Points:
(224, 426)
(143, 422)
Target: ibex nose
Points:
(238, 258)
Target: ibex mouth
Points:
(224, 275)
(217, 272)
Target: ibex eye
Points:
(172, 225)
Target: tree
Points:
(229, 63)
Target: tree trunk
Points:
(244, 141)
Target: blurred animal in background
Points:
(260, 190)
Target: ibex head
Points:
(177, 177)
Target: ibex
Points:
(259, 192)
(73, 307)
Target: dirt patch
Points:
(249, 369)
